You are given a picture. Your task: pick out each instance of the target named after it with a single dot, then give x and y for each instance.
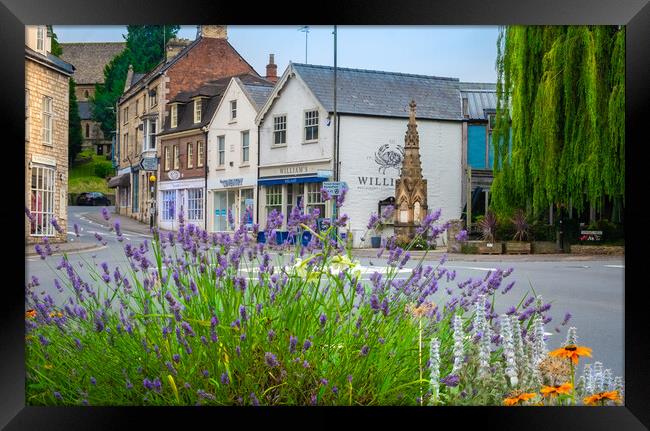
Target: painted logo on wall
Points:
(389, 156)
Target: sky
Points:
(464, 52)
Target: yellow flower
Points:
(518, 399)
(339, 264)
(602, 396)
(572, 352)
(48, 366)
(556, 390)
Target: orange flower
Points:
(602, 396)
(556, 390)
(572, 352)
(30, 314)
(518, 399)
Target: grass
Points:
(81, 176)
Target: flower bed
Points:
(210, 319)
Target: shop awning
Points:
(290, 180)
(123, 180)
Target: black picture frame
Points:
(14, 14)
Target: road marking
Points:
(614, 266)
(477, 268)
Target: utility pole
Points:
(305, 29)
(336, 143)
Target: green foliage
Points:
(560, 124)
(468, 248)
(56, 47)
(103, 169)
(145, 48)
(74, 125)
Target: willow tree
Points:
(559, 136)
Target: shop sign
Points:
(232, 182)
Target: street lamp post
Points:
(152, 212)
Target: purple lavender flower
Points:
(271, 335)
(305, 364)
(148, 384)
(373, 221)
(322, 319)
(271, 360)
(306, 345)
(451, 380)
(93, 381)
(254, 399)
(56, 225)
(364, 350)
(225, 379)
(350, 378)
(461, 236)
(242, 313)
(567, 317)
(205, 373)
(292, 344)
(57, 395)
(335, 389)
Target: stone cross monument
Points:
(410, 188)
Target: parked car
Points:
(93, 199)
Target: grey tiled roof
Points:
(136, 77)
(90, 58)
(481, 97)
(258, 93)
(370, 92)
(85, 112)
(51, 60)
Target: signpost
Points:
(335, 188)
(149, 164)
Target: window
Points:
(315, 198)
(40, 38)
(87, 130)
(177, 157)
(168, 204)
(195, 204)
(42, 200)
(197, 111)
(153, 98)
(137, 107)
(150, 127)
(125, 118)
(311, 126)
(221, 150)
(86, 96)
(233, 109)
(174, 116)
(125, 147)
(280, 130)
(47, 120)
(166, 159)
(245, 146)
(124, 197)
(190, 155)
(199, 153)
(273, 199)
(27, 129)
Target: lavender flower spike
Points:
(459, 353)
(509, 350)
(434, 359)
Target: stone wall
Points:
(598, 249)
(43, 81)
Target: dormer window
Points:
(197, 110)
(40, 38)
(174, 116)
(153, 98)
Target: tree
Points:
(56, 47)
(145, 48)
(560, 125)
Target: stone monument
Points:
(411, 187)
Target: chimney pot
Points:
(272, 69)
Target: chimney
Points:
(129, 78)
(213, 31)
(174, 46)
(272, 69)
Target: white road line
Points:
(478, 268)
(614, 266)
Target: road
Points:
(591, 290)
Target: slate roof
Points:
(481, 98)
(136, 77)
(371, 92)
(258, 93)
(85, 112)
(90, 59)
(51, 60)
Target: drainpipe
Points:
(257, 201)
(205, 174)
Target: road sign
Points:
(335, 188)
(149, 164)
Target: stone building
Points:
(142, 109)
(46, 136)
(89, 60)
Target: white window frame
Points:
(314, 198)
(174, 116)
(153, 100)
(195, 204)
(277, 130)
(311, 122)
(47, 121)
(246, 149)
(221, 150)
(168, 199)
(44, 192)
(233, 110)
(148, 136)
(40, 38)
(190, 155)
(166, 161)
(273, 198)
(177, 157)
(197, 110)
(200, 153)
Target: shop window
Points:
(273, 199)
(168, 204)
(195, 204)
(42, 200)
(315, 198)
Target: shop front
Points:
(232, 203)
(186, 196)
